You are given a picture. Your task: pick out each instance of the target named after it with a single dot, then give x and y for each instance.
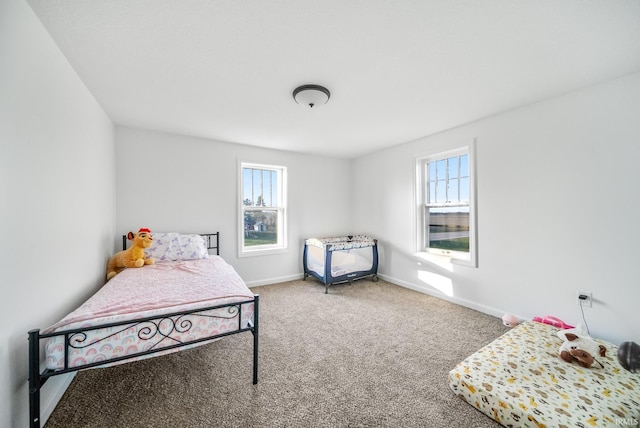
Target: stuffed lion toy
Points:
(132, 257)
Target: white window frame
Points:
(280, 206)
(422, 206)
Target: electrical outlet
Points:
(587, 299)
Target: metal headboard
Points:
(212, 240)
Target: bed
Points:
(187, 298)
(520, 381)
(339, 259)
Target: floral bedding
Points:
(520, 381)
(336, 243)
(150, 291)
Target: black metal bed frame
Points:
(148, 329)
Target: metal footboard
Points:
(148, 329)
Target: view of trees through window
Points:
(260, 227)
(261, 201)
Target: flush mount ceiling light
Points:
(311, 95)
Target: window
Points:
(262, 209)
(446, 205)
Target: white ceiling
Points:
(397, 69)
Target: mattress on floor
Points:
(519, 380)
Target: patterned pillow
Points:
(192, 247)
(169, 247)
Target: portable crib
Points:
(340, 259)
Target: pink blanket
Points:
(149, 291)
(153, 289)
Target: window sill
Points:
(263, 252)
(446, 259)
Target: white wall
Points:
(558, 206)
(183, 184)
(558, 210)
(57, 187)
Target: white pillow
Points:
(192, 247)
(169, 247)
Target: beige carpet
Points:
(365, 355)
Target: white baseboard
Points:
(435, 293)
(496, 312)
(55, 388)
(274, 280)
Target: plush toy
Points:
(578, 346)
(629, 356)
(510, 320)
(132, 257)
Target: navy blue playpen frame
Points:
(328, 279)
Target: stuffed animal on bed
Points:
(131, 257)
(578, 346)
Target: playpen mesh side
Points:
(342, 261)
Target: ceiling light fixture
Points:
(311, 95)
